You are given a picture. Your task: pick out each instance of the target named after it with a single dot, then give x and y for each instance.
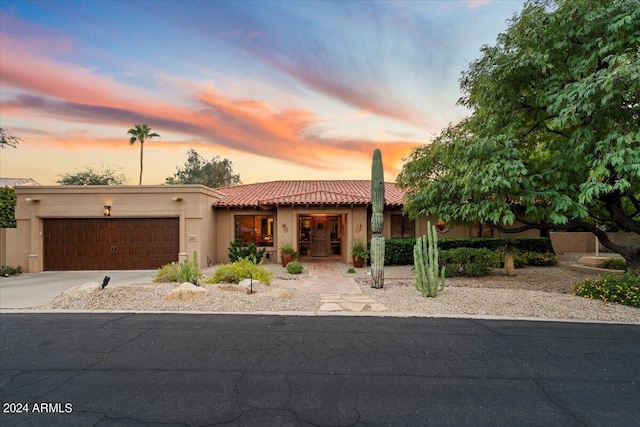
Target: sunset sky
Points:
(285, 90)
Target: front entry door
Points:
(319, 237)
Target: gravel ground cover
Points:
(535, 292)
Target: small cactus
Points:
(187, 271)
(425, 258)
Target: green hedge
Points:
(400, 251)
(469, 262)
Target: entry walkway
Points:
(337, 293)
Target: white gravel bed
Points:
(222, 298)
(535, 292)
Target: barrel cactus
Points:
(377, 220)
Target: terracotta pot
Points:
(286, 259)
(358, 261)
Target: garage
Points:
(109, 243)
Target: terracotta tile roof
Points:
(305, 193)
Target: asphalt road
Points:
(177, 369)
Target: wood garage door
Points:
(110, 243)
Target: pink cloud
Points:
(72, 93)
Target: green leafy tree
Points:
(91, 176)
(212, 173)
(7, 207)
(141, 133)
(553, 140)
(7, 140)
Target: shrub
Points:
(615, 264)
(165, 275)
(187, 271)
(351, 271)
(6, 270)
(400, 251)
(540, 259)
(237, 251)
(616, 288)
(467, 262)
(244, 268)
(294, 267)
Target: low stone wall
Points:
(566, 242)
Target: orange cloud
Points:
(72, 93)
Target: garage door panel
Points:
(109, 243)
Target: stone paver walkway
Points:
(337, 293)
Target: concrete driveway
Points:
(30, 289)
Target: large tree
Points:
(91, 176)
(7, 140)
(212, 173)
(141, 133)
(553, 139)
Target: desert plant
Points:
(359, 249)
(6, 270)
(468, 262)
(165, 275)
(238, 251)
(540, 260)
(426, 263)
(187, 271)
(615, 264)
(616, 288)
(294, 267)
(377, 221)
(288, 249)
(244, 268)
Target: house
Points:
(144, 227)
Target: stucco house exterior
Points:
(144, 227)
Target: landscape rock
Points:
(83, 290)
(186, 291)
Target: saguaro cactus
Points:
(425, 260)
(377, 220)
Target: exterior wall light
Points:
(106, 210)
(176, 199)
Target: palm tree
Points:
(7, 140)
(141, 133)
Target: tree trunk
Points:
(141, 151)
(633, 260)
(509, 267)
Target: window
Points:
(402, 226)
(256, 229)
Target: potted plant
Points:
(359, 252)
(288, 253)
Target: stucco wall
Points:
(191, 204)
(286, 227)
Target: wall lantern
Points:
(106, 210)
